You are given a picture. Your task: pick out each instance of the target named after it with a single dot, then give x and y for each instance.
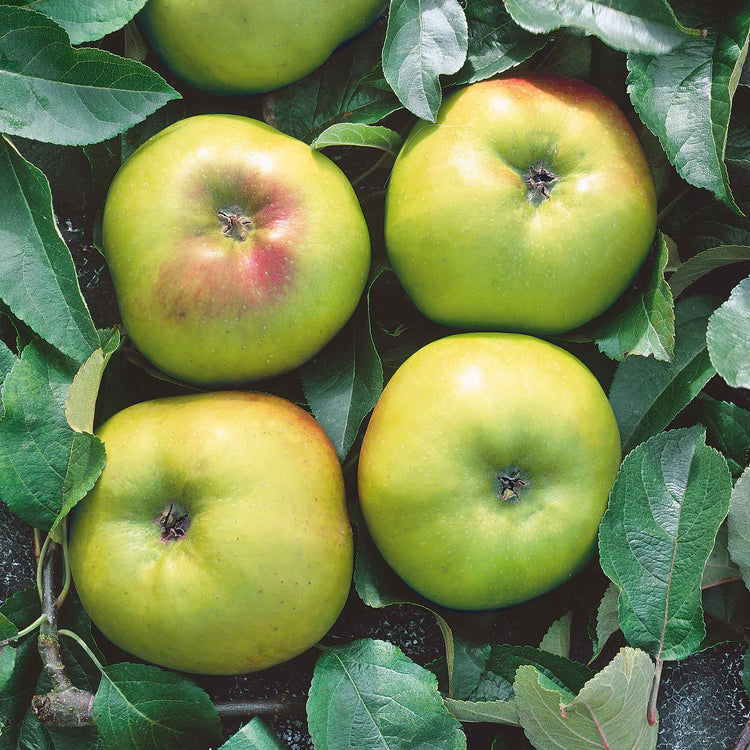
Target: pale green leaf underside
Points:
(738, 525)
(359, 134)
(728, 337)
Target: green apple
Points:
(250, 46)
(216, 539)
(486, 468)
(236, 251)
(529, 206)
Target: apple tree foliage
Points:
(676, 361)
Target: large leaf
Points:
(85, 20)
(646, 395)
(728, 337)
(719, 567)
(46, 466)
(666, 506)
(52, 92)
(703, 263)
(738, 526)
(493, 712)
(627, 25)
(496, 43)
(141, 707)
(367, 694)
(358, 134)
(37, 277)
(609, 712)
(728, 428)
(333, 93)
(255, 735)
(425, 39)
(685, 97)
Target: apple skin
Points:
(264, 567)
(475, 247)
(213, 301)
(251, 46)
(459, 414)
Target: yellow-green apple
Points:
(216, 539)
(249, 46)
(529, 206)
(237, 252)
(486, 467)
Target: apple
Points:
(529, 206)
(250, 46)
(216, 540)
(486, 467)
(237, 252)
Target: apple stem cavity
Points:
(174, 522)
(234, 223)
(508, 485)
(539, 182)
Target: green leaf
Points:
(255, 735)
(343, 383)
(728, 428)
(738, 144)
(46, 467)
(54, 93)
(726, 605)
(495, 44)
(557, 638)
(627, 25)
(738, 526)
(7, 360)
(665, 509)
(715, 225)
(469, 664)
(140, 707)
(709, 260)
(8, 652)
(367, 694)
(333, 93)
(728, 337)
(37, 276)
(570, 55)
(607, 619)
(646, 324)
(494, 712)
(646, 395)
(608, 712)
(425, 39)
(87, 21)
(719, 567)
(358, 134)
(685, 98)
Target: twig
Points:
(743, 743)
(654, 692)
(260, 707)
(379, 163)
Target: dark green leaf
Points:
(37, 277)
(726, 605)
(557, 638)
(685, 99)
(425, 39)
(333, 93)
(140, 707)
(719, 567)
(646, 395)
(54, 93)
(496, 44)
(358, 134)
(255, 735)
(738, 144)
(666, 506)
(569, 55)
(627, 25)
(728, 428)
(7, 652)
(494, 712)
(367, 694)
(608, 712)
(703, 263)
(7, 360)
(607, 619)
(728, 337)
(715, 225)
(469, 664)
(738, 526)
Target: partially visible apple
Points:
(529, 206)
(250, 46)
(237, 252)
(216, 539)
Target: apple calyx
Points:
(174, 522)
(508, 485)
(539, 181)
(234, 223)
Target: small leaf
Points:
(425, 39)
(738, 526)
(7, 360)
(255, 735)
(494, 712)
(37, 276)
(367, 694)
(728, 428)
(646, 395)
(358, 134)
(719, 567)
(140, 707)
(646, 324)
(51, 92)
(86, 21)
(469, 664)
(709, 260)
(738, 144)
(495, 44)
(557, 638)
(665, 509)
(607, 619)
(685, 98)
(628, 25)
(608, 712)
(728, 337)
